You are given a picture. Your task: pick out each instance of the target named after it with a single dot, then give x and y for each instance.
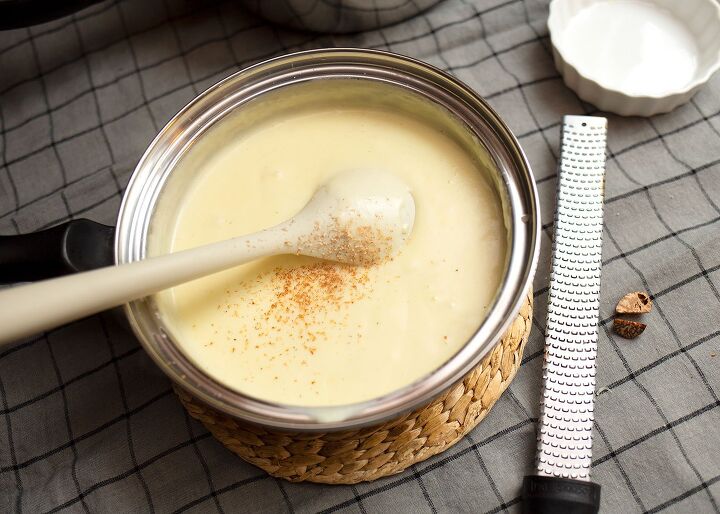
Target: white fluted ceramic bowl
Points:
(587, 65)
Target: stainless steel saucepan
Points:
(380, 79)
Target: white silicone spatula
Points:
(358, 217)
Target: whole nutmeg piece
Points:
(634, 303)
(628, 329)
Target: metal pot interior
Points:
(301, 81)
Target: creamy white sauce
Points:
(300, 331)
(632, 46)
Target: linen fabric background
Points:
(89, 424)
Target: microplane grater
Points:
(564, 446)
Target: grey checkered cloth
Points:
(89, 424)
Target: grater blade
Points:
(566, 413)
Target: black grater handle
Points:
(553, 495)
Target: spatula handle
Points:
(28, 309)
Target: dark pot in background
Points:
(336, 16)
(15, 14)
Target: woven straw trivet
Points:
(354, 456)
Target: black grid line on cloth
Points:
(519, 87)
(358, 500)
(544, 36)
(472, 64)
(436, 42)
(670, 235)
(284, 494)
(670, 151)
(13, 187)
(663, 139)
(128, 426)
(518, 403)
(96, 104)
(203, 463)
(79, 212)
(130, 472)
(64, 385)
(705, 117)
(21, 346)
(133, 54)
(519, 83)
(227, 35)
(619, 466)
(668, 426)
(664, 359)
(183, 54)
(20, 465)
(705, 275)
(68, 426)
(13, 454)
(486, 472)
(52, 145)
(223, 490)
(669, 180)
(84, 58)
(590, 112)
(54, 191)
(645, 391)
(418, 478)
(444, 26)
(684, 495)
(504, 507)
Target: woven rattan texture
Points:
(349, 457)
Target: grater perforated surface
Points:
(566, 412)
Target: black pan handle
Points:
(554, 495)
(15, 14)
(78, 245)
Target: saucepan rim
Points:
(523, 219)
